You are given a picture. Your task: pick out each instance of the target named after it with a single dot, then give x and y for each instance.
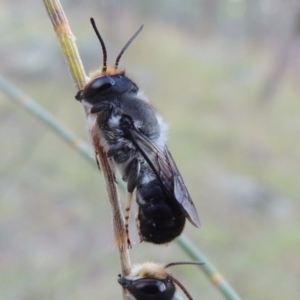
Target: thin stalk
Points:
(70, 51)
(67, 43)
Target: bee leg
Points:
(100, 107)
(131, 176)
(114, 150)
(127, 211)
(97, 160)
(137, 222)
(104, 111)
(103, 118)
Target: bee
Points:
(150, 280)
(133, 135)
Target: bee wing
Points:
(164, 167)
(181, 193)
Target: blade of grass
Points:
(45, 117)
(208, 268)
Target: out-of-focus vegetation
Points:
(225, 75)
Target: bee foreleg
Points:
(100, 107)
(97, 160)
(104, 111)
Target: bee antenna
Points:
(126, 46)
(174, 280)
(104, 66)
(184, 263)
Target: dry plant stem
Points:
(118, 218)
(67, 42)
(68, 46)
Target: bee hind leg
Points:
(127, 212)
(130, 176)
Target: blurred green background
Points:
(225, 75)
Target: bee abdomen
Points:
(160, 220)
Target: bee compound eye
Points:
(97, 86)
(148, 287)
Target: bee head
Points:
(153, 281)
(105, 87)
(148, 288)
(149, 281)
(107, 80)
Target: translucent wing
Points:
(164, 167)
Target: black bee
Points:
(133, 135)
(150, 281)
